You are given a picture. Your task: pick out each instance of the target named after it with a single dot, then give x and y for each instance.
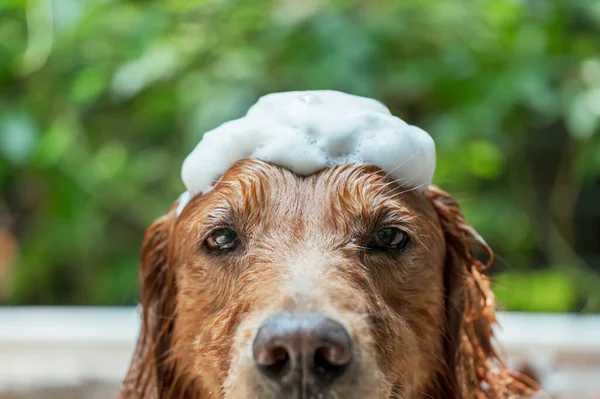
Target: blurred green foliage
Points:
(100, 100)
(542, 291)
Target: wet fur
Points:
(421, 321)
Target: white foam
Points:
(306, 131)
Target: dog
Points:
(341, 284)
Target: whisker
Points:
(400, 165)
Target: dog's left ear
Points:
(474, 368)
(150, 373)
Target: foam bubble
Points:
(305, 131)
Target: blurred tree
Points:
(101, 100)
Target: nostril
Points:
(333, 354)
(270, 356)
(330, 362)
(272, 361)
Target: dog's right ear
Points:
(475, 369)
(150, 374)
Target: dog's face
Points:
(271, 256)
(342, 284)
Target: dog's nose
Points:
(293, 348)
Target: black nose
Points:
(308, 349)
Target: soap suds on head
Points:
(306, 131)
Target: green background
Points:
(101, 100)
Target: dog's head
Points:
(339, 284)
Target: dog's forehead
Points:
(252, 186)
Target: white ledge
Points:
(69, 346)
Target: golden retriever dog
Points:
(339, 285)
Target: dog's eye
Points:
(221, 239)
(389, 238)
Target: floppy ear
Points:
(474, 368)
(151, 374)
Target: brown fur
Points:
(421, 320)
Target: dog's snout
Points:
(290, 348)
